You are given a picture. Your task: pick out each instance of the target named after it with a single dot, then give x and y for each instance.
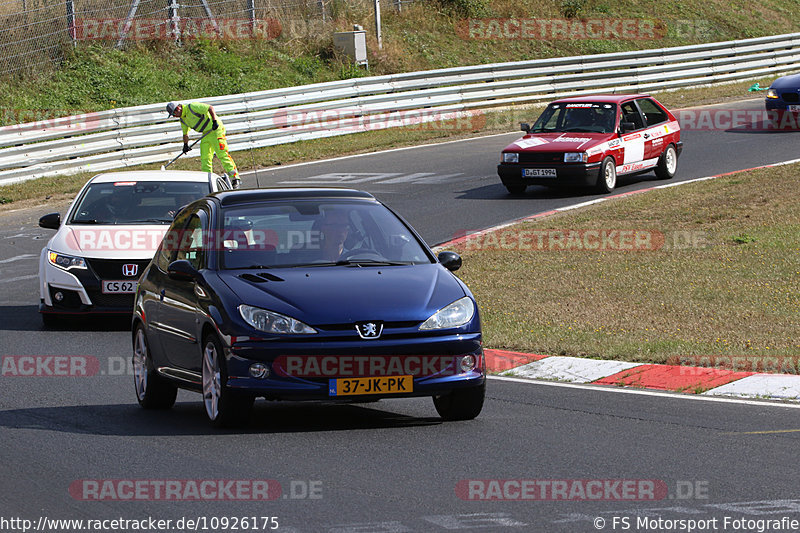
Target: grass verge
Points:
(683, 283)
(42, 190)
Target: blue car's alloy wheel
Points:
(152, 391)
(225, 408)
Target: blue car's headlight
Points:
(456, 314)
(271, 322)
(772, 93)
(65, 261)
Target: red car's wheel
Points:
(668, 164)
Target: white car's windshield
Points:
(319, 233)
(131, 202)
(577, 117)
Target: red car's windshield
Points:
(577, 117)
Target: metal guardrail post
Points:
(71, 23)
(128, 21)
(174, 19)
(251, 10)
(378, 24)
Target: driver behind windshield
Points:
(334, 228)
(114, 209)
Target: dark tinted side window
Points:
(653, 114)
(630, 113)
(191, 248)
(163, 257)
(172, 240)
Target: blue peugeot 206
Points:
(303, 294)
(783, 95)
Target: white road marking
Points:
(371, 527)
(19, 278)
(674, 396)
(343, 177)
(473, 521)
(354, 156)
(374, 177)
(17, 258)
(18, 235)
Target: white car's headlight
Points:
(772, 93)
(65, 261)
(510, 157)
(575, 157)
(271, 322)
(456, 314)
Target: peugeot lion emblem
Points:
(130, 269)
(369, 330)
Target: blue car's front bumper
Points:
(313, 382)
(783, 102)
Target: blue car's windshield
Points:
(316, 233)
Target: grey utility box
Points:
(352, 43)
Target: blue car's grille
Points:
(791, 98)
(352, 327)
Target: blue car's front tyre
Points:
(224, 407)
(152, 391)
(461, 404)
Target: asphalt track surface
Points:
(392, 466)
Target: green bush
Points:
(467, 8)
(572, 8)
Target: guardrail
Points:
(131, 136)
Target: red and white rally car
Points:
(590, 140)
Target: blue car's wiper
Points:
(351, 262)
(252, 267)
(371, 262)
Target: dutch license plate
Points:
(538, 173)
(794, 108)
(119, 287)
(381, 385)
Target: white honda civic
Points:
(108, 236)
